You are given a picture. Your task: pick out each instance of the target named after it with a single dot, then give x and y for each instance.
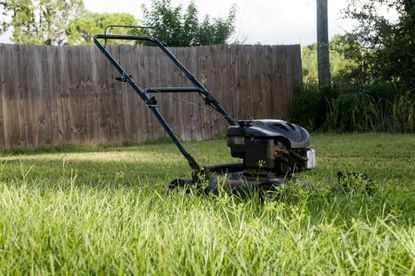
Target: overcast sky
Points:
(257, 21)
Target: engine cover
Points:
(271, 147)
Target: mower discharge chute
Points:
(271, 150)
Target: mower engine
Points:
(271, 148)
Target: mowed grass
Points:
(108, 211)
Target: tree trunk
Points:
(323, 55)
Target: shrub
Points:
(310, 105)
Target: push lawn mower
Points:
(271, 150)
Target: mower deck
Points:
(230, 177)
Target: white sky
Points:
(257, 21)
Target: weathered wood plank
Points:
(2, 91)
(55, 78)
(83, 95)
(232, 68)
(296, 69)
(34, 100)
(117, 112)
(99, 85)
(47, 95)
(192, 114)
(16, 98)
(88, 87)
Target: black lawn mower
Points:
(271, 150)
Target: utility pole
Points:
(323, 54)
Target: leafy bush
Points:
(381, 47)
(178, 28)
(340, 63)
(374, 85)
(310, 105)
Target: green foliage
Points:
(177, 28)
(374, 86)
(385, 49)
(108, 211)
(83, 28)
(309, 63)
(340, 62)
(310, 105)
(41, 22)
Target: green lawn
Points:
(107, 210)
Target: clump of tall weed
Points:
(365, 112)
(342, 107)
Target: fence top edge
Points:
(145, 46)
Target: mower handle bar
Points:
(108, 27)
(207, 96)
(151, 102)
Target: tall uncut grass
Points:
(108, 211)
(345, 107)
(363, 112)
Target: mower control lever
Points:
(122, 79)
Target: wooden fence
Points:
(68, 95)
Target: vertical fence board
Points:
(95, 98)
(232, 64)
(181, 124)
(54, 77)
(82, 95)
(142, 113)
(202, 67)
(47, 85)
(2, 90)
(6, 71)
(297, 70)
(16, 98)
